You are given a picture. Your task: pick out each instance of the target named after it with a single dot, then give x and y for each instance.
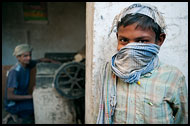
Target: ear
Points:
(18, 57)
(161, 39)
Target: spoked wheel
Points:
(69, 80)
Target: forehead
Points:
(134, 31)
(26, 54)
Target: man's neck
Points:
(23, 65)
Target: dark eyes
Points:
(123, 40)
(140, 41)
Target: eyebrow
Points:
(141, 37)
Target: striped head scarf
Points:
(141, 8)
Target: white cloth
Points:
(22, 48)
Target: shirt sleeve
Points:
(12, 81)
(180, 103)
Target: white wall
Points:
(174, 51)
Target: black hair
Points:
(142, 21)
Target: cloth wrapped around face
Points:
(134, 60)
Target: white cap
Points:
(22, 48)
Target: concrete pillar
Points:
(89, 51)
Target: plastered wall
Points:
(174, 51)
(65, 31)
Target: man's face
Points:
(24, 58)
(131, 34)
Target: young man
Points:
(136, 87)
(17, 100)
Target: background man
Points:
(18, 101)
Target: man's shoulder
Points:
(13, 70)
(170, 69)
(16, 68)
